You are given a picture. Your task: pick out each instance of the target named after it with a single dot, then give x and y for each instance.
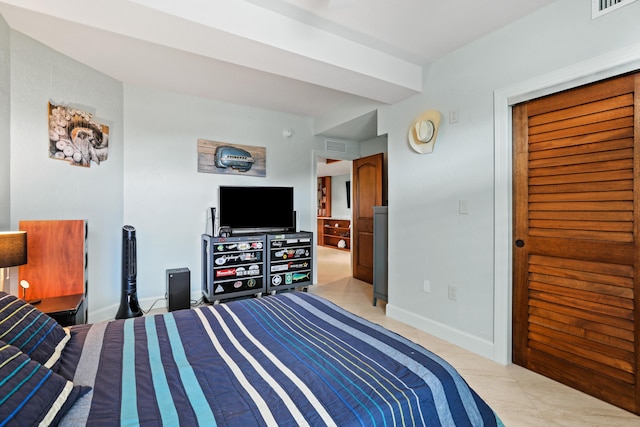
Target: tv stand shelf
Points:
(255, 264)
(331, 231)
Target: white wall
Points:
(167, 200)
(339, 207)
(5, 117)
(43, 188)
(150, 179)
(428, 238)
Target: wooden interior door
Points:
(367, 193)
(575, 295)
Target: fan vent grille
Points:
(602, 7)
(335, 146)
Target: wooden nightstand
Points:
(66, 310)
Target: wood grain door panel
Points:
(367, 185)
(575, 278)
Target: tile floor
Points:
(520, 397)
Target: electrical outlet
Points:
(426, 286)
(453, 293)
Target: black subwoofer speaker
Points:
(179, 288)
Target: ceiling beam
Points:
(245, 34)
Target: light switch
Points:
(463, 208)
(426, 286)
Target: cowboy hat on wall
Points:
(424, 130)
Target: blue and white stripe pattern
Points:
(289, 359)
(30, 394)
(33, 332)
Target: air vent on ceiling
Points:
(601, 7)
(336, 146)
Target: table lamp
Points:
(25, 285)
(13, 250)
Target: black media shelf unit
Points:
(233, 267)
(289, 261)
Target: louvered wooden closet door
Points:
(576, 240)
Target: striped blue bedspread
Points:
(280, 360)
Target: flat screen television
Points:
(256, 209)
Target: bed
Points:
(286, 359)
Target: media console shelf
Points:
(255, 264)
(232, 267)
(332, 231)
(289, 261)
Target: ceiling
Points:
(314, 58)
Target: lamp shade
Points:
(13, 248)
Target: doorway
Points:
(345, 208)
(575, 284)
(354, 139)
(598, 68)
(334, 203)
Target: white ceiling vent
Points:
(601, 7)
(335, 146)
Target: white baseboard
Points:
(109, 312)
(106, 313)
(462, 339)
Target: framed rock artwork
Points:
(74, 136)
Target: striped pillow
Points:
(31, 394)
(33, 332)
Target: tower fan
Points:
(129, 301)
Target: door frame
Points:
(599, 68)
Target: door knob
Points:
(519, 243)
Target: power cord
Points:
(154, 303)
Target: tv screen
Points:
(246, 209)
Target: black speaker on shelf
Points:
(129, 306)
(179, 288)
(213, 220)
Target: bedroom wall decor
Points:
(225, 158)
(76, 137)
(424, 131)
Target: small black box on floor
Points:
(178, 288)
